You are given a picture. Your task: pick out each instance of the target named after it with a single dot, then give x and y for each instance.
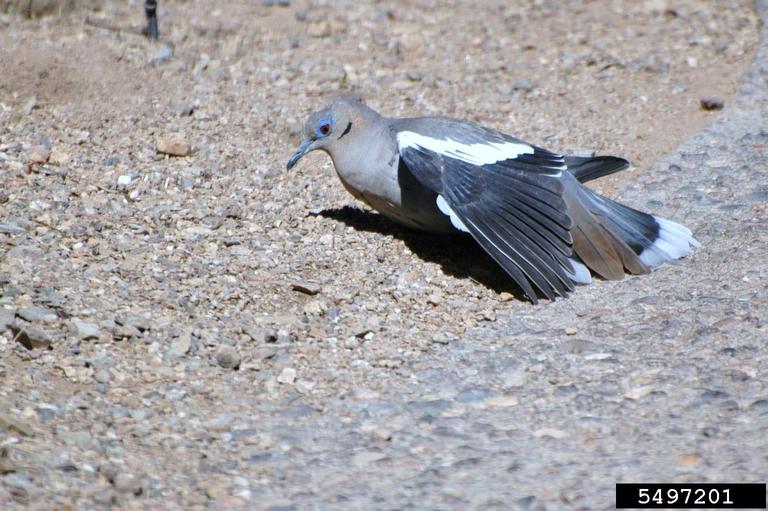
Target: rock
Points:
(319, 29)
(410, 45)
(657, 64)
(710, 103)
(7, 466)
(140, 322)
(271, 3)
(17, 480)
(760, 406)
(307, 288)
(639, 392)
(688, 459)
(440, 338)
(329, 73)
(656, 5)
(8, 423)
(287, 376)
(11, 229)
(38, 155)
(29, 252)
(260, 335)
(39, 8)
(365, 394)
(59, 156)
(304, 386)
(314, 308)
(35, 313)
(365, 458)
(414, 76)
(85, 331)
(501, 401)
(583, 152)
(173, 145)
(472, 394)
(376, 431)
(30, 105)
(228, 357)
(557, 434)
(182, 344)
(125, 332)
(163, 54)
(103, 376)
(47, 411)
(435, 299)
(125, 482)
(523, 85)
(7, 319)
(124, 180)
(31, 338)
(182, 109)
(514, 377)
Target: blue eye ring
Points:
(324, 128)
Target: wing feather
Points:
(514, 208)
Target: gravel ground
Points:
(185, 325)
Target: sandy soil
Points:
(210, 331)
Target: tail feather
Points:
(674, 241)
(587, 169)
(592, 242)
(610, 237)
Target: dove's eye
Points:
(323, 127)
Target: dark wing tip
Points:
(588, 169)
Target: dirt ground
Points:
(210, 331)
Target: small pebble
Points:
(31, 338)
(59, 156)
(710, 103)
(173, 145)
(228, 357)
(84, 330)
(319, 29)
(38, 155)
(163, 54)
(287, 376)
(35, 313)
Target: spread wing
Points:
(507, 194)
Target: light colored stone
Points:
(227, 357)
(85, 331)
(173, 145)
(287, 376)
(38, 154)
(59, 156)
(410, 45)
(557, 434)
(319, 29)
(501, 401)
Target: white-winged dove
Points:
(526, 206)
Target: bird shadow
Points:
(457, 254)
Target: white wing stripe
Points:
(446, 209)
(483, 153)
